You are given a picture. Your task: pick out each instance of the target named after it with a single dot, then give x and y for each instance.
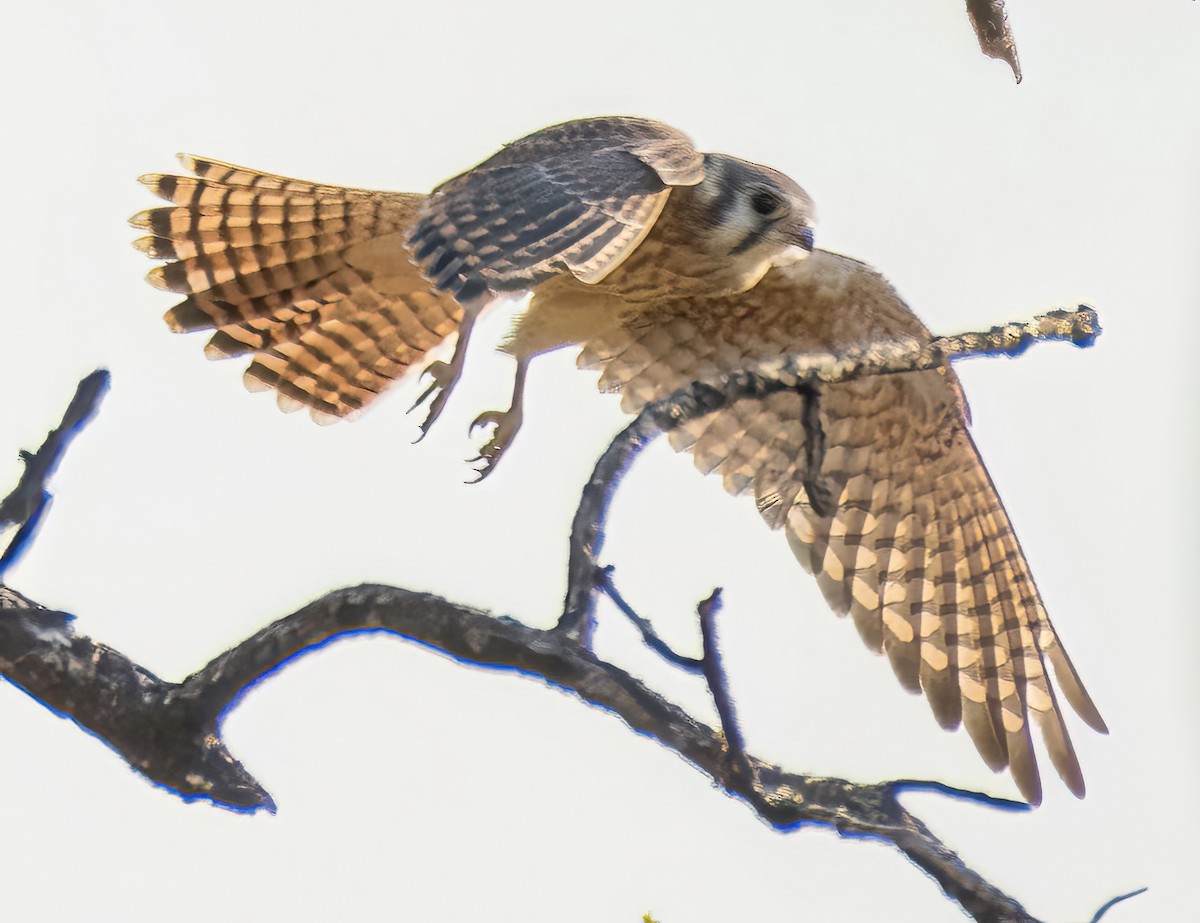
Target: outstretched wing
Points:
(919, 551)
(316, 282)
(576, 197)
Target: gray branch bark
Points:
(170, 732)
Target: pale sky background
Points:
(409, 787)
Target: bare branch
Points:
(171, 731)
(604, 583)
(996, 39)
(1108, 905)
(170, 742)
(718, 685)
(30, 499)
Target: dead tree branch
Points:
(996, 40)
(171, 731)
(30, 499)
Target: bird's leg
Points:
(820, 494)
(507, 422)
(444, 375)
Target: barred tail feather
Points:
(315, 282)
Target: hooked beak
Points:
(800, 247)
(803, 238)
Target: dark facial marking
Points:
(749, 240)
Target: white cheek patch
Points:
(790, 255)
(736, 227)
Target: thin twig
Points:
(1116, 900)
(650, 638)
(28, 502)
(718, 685)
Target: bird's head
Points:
(756, 215)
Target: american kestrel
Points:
(664, 265)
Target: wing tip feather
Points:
(163, 185)
(170, 277)
(156, 248)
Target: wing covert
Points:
(573, 198)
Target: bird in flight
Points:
(662, 264)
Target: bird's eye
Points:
(766, 203)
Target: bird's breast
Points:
(669, 265)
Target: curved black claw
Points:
(443, 376)
(507, 422)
